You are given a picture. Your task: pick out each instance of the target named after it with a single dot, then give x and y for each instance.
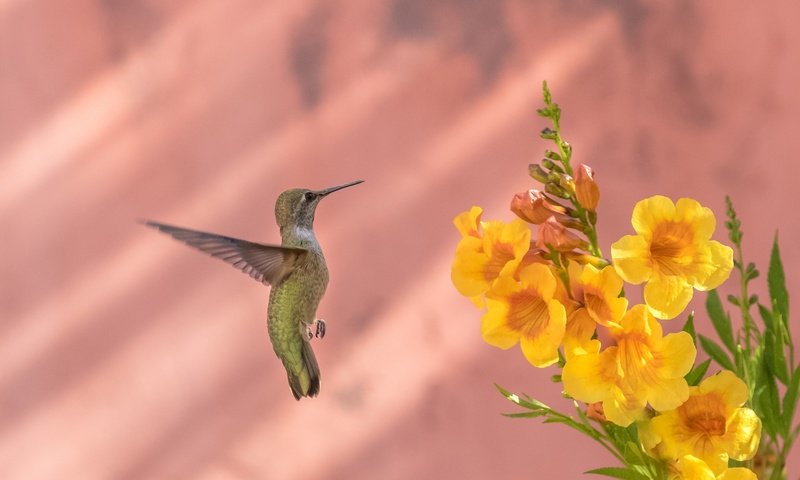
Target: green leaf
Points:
(532, 414)
(720, 320)
(767, 403)
(790, 400)
(716, 353)
(693, 378)
(777, 283)
(688, 327)
(526, 402)
(766, 316)
(773, 353)
(617, 472)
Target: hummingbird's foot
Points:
(320, 327)
(305, 329)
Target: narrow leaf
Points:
(525, 414)
(720, 320)
(777, 283)
(790, 400)
(768, 403)
(688, 327)
(716, 353)
(773, 353)
(617, 472)
(693, 378)
(766, 316)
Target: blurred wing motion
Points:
(269, 264)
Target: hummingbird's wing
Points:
(268, 264)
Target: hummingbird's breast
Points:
(296, 298)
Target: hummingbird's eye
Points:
(309, 196)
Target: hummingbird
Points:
(296, 271)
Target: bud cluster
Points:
(564, 207)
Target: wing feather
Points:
(268, 264)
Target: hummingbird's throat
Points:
(302, 235)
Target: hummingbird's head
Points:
(297, 206)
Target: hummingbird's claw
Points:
(320, 328)
(306, 329)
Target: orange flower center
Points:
(671, 246)
(597, 306)
(637, 360)
(501, 254)
(704, 414)
(527, 313)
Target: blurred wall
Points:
(125, 355)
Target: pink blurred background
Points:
(126, 355)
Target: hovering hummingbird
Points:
(295, 269)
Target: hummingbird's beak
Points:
(330, 190)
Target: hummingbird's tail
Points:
(305, 382)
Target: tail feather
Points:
(306, 382)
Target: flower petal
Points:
(649, 212)
(743, 433)
(721, 258)
(631, 255)
(541, 349)
(667, 296)
(731, 388)
(738, 473)
(588, 377)
(679, 354)
(467, 222)
(692, 468)
(578, 335)
(669, 394)
(701, 218)
(494, 329)
(623, 409)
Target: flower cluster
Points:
(555, 295)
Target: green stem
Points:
(744, 301)
(591, 432)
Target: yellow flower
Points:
(594, 300)
(486, 251)
(598, 292)
(673, 252)
(690, 467)
(643, 367)
(525, 311)
(711, 425)
(578, 337)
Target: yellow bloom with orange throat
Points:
(486, 251)
(690, 467)
(527, 313)
(643, 367)
(711, 425)
(673, 252)
(594, 300)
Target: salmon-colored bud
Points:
(595, 412)
(553, 233)
(586, 190)
(532, 206)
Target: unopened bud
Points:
(559, 237)
(532, 206)
(548, 134)
(538, 173)
(554, 189)
(567, 183)
(551, 165)
(552, 155)
(586, 190)
(595, 412)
